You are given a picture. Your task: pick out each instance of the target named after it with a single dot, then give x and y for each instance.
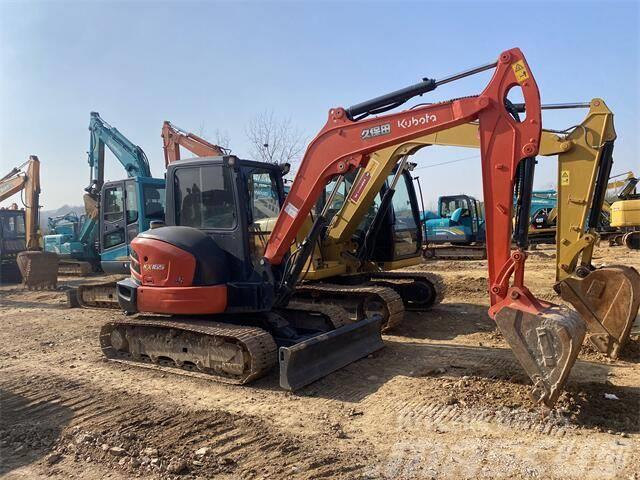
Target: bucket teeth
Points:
(607, 299)
(546, 345)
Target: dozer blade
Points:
(38, 269)
(546, 345)
(608, 300)
(307, 361)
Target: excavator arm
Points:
(545, 338)
(131, 156)
(174, 137)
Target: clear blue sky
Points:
(217, 64)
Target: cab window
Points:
(263, 192)
(204, 197)
(154, 202)
(450, 205)
(402, 209)
(132, 203)
(113, 204)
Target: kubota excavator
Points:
(20, 231)
(202, 263)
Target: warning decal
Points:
(564, 178)
(359, 188)
(520, 71)
(291, 210)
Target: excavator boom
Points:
(545, 338)
(174, 137)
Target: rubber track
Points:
(391, 300)
(338, 315)
(402, 276)
(453, 252)
(75, 268)
(102, 305)
(258, 343)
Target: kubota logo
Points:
(417, 120)
(154, 266)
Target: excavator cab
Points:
(399, 236)
(13, 240)
(233, 203)
(460, 221)
(128, 208)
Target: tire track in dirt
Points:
(135, 435)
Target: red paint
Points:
(183, 300)
(178, 267)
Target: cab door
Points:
(119, 224)
(112, 217)
(407, 236)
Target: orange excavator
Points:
(173, 137)
(231, 314)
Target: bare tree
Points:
(219, 137)
(222, 139)
(274, 140)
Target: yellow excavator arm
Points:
(580, 150)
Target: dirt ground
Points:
(445, 398)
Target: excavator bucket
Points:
(545, 344)
(307, 361)
(608, 300)
(38, 269)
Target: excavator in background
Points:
(173, 137)
(203, 264)
(103, 295)
(457, 231)
(20, 248)
(115, 211)
(63, 238)
(625, 214)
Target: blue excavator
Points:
(457, 230)
(116, 211)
